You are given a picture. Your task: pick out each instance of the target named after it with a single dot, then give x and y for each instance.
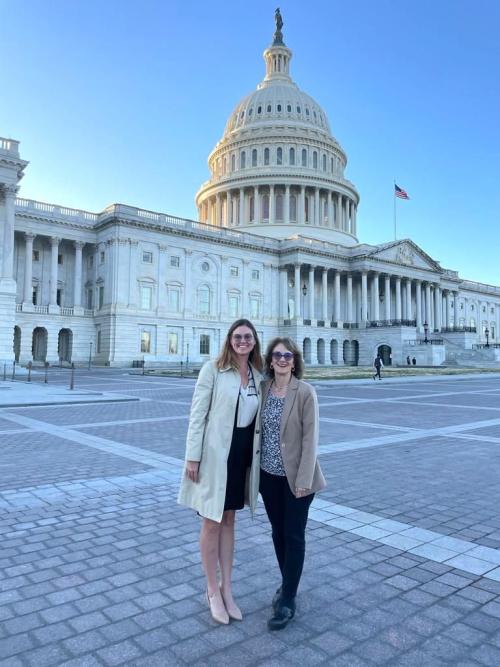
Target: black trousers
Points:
(288, 517)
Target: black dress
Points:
(239, 461)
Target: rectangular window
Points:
(175, 261)
(173, 300)
(58, 297)
(101, 296)
(147, 257)
(90, 299)
(90, 261)
(35, 296)
(254, 308)
(173, 343)
(233, 306)
(235, 271)
(145, 342)
(204, 301)
(36, 255)
(204, 344)
(98, 341)
(59, 259)
(146, 298)
(255, 274)
(102, 257)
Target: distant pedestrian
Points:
(408, 360)
(378, 364)
(414, 361)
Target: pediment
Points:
(405, 253)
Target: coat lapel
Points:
(291, 395)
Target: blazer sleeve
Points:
(200, 407)
(310, 436)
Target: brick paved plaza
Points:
(99, 566)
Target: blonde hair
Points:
(227, 357)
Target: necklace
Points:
(283, 387)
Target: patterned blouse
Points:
(271, 460)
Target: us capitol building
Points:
(276, 241)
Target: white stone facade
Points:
(277, 242)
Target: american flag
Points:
(399, 192)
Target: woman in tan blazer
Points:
(287, 436)
(222, 461)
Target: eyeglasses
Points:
(248, 338)
(287, 356)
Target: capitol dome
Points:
(278, 171)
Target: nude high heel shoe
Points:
(233, 610)
(218, 615)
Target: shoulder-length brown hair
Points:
(227, 356)
(291, 346)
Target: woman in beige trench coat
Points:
(222, 462)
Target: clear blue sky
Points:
(121, 101)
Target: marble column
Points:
(336, 297)
(387, 297)
(438, 307)
(418, 300)
(229, 209)
(428, 305)
(271, 204)
(241, 203)
(311, 293)
(364, 298)
(284, 292)
(324, 295)
(408, 299)
(448, 309)
(218, 210)
(456, 313)
(298, 289)
(330, 208)
(338, 212)
(349, 297)
(375, 297)
(77, 293)
(301, 213)
(317, 213)
(286, 210)
(54, 250)
(398, 298)
(7, 261)
(354, 220)
(28, 270)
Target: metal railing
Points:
(391, 323)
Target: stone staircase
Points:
(456, 355)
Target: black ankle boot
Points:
(276, 598)
(283, 614)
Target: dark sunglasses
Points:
(287, 356)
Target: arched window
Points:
(331, 165)
(266, 156)
(265, 207)
(204, 300)
(289, 108)
(233, 162)
(315, 160)
(324, 162)
(269, 108)
(293, 208)
(242, 160)
(254, 157)
(279, 155)
(307, 208)
(252, 208)
(304, 157)
(292, 156)
(279, 207)
(224, 166)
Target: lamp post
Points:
(487, 334)
(304, 293)
(90, 354)
(426, 331)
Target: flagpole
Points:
(394, 197)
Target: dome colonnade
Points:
(278, 170)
